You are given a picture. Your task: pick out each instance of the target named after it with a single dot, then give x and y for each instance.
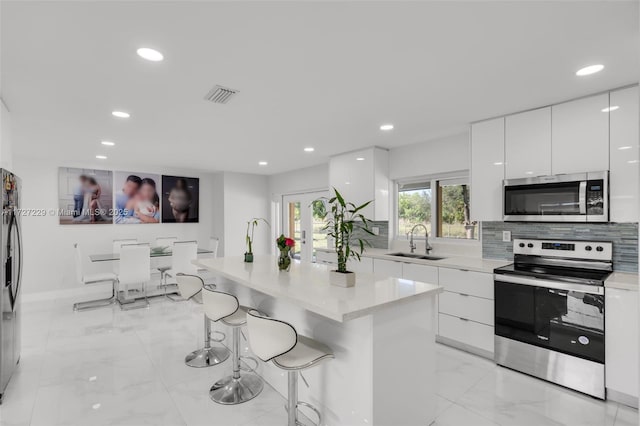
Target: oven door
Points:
(563, 317)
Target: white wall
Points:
(6, 159)
(443, 155)
(48, 247)
(300, 180)
(245, 196)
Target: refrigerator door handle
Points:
(19, 261)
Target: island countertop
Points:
(307, 285)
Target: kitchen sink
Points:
(415, 256)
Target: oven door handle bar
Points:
(537, 282)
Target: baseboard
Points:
(622, 398)
(87, 291)
(464, 347)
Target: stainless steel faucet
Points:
(412, 244)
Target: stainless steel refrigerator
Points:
(10, 278)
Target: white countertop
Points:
(622, 281)
(476, 264)
(307, 285)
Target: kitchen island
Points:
(382, 332)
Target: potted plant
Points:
(251, 225)
(284, 245)
(342, 220)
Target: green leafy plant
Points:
(251, 225)
(342, 220)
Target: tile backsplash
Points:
(377, 241)
(624, 237)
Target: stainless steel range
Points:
(549, 312)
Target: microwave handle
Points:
(582, 197)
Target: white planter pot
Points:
(340, 279)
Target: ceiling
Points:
(325, 75)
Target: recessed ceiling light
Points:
(632, 161)
(498, 163)
(386, 127)
(262, 163)
(622, 148)
(347, 183)
(360, 159)
(101, 157)
(528, 173)
(108, 143)
(611, 108)
(120, 114)
(309, 149)
(150, 54)
(591, 69)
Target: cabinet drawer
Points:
(465, 306)
(465, 331)
(425, 273)
(468, 282)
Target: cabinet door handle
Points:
(463, 270)
(463, 319)
(463, 294)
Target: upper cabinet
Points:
(528, 144)
(487, 169)
(362, 176)
(623, 144)
(580, 135)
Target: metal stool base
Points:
(207, 357)
(230, 391)
(93, 304)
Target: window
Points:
(414, 206)
(442, 205)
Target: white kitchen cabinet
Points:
(362, 176)
(487, 169)
(473, 283)
(580, 135)
(424, 273)
(467, 334)
(621, 343)
(623, 144)
(528, 144)
(365, 265)
(387, 268)
(465, 306)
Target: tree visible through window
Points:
(449, 211)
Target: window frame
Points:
(453, 178)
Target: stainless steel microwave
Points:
(577, 197)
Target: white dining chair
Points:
(163, 264)
(277, 341)
(214, 243)
(182, 256)
(96, 278)
(135, 269)
(190, 288)
(117, 246)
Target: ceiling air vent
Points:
(220, 95)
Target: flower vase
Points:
(284, 260)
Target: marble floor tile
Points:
(113, 367)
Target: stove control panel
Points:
(592, 250)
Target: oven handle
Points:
(582, 197)
(537, 282)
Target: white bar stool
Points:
(237, 388)
(93, 279)
(277, 341)
(135, 268)
(190, 287)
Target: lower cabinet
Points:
(466, 334)
(466, 310)
(621, 345)
(388, 268)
